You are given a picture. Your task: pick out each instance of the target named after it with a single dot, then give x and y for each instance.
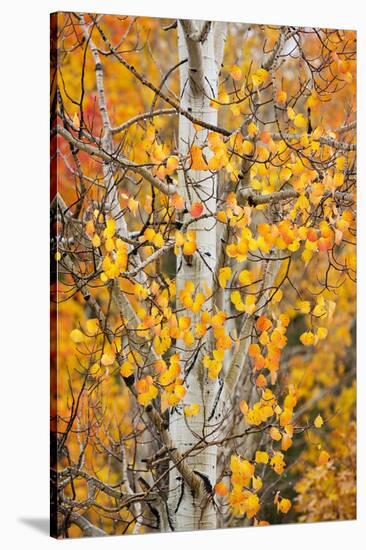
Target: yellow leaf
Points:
(286, 441)
(300, 121)
(96, 241)
(214, 164)
(77, 336)
(158, 240)
(133, 205)
(108, 359)
(223, 97)
(224, 276)
(184, 323)
(278, 464)
(188, 338)
(319, 310)
(338, 179)
(158, 152)
(179, 238)
(247, 148)
(180, 391)
(172, 164)
(275, 434)
(76, 121)
(318, 422)
(236, 72)
(257, 483)
(340, 163)
(304, 306)
(150, 134)
(290, 401)
(110, 229)
(231, 250)
(192, 410)
(252, 129)
(277, 296)
(141, 292)
(249, 306)
(285, 417)
(302, 202)
(245, 277)
(150, 392)
(126, 369)
(221, 216)
(307, 338)
(252, 504)
(259, 77)
(322, 333)
(284, 505)
(109, 245)
(92, 326)
(236, 300)
(149, 234)
(189, 248)
(261, 457)
(281, 97)
(291, 113)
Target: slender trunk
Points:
(199, 82)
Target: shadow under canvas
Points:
(40, 524)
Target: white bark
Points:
(199, 82)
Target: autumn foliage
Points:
(152, 315)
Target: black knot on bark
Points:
(129, 380)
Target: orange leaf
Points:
(198, 161)
(263, 323)
(261, 381)
(254, 350)
(196, 209)
(221, 489)
(324, 458)
(177, 201)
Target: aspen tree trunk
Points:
(202, 44)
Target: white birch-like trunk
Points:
(199, 83)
